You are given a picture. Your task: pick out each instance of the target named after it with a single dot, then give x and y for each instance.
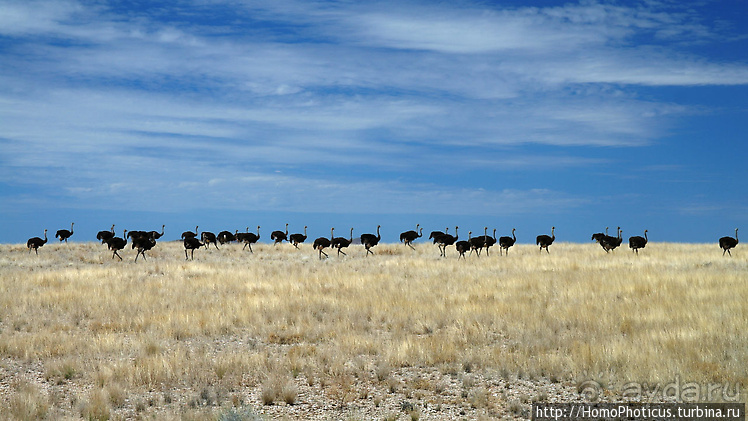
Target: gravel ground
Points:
(409, 393)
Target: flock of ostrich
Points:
(144, 241)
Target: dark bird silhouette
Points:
(463, 246)
(35, 242)
(191, 243)
(477, 243)
(103, 236)
(370, 240)
(445, 241)
(506, 242)
(341, 242)
(63, 235)
(279, 236)
(490, 241)
(322, 243)
(297, 239)
(143, 244)
(226, 237)
(637, 242)
(156, 235)
(727, 243)
(249, 238)
(609, 243)
(116, 244)
(209, 238)
(544, 240)
(599, 235)
(436, 234)
(189, 234)
(408, 237)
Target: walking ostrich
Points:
(209, 238)
(65, 234)
(637, 242)
(36, 242)
(544, 240)
(279, 236)
(506, 242)
(463, 246)
(103, 236)
(341, 242)
(408, 237)
(116, 244)
(477, 243)
(191, 244)
(447, 240)
(297, 239)
(156, 235)
(321, 243)
(143, 244)
(370, 240)
(609, 243)
(726, 243)
(250, 238)
(226, 237)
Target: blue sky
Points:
(227, 114)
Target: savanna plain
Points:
(403, 334)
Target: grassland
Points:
(400, 335)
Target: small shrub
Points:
(97, 408)
(289, 393)
(27, 403)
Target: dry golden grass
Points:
(85, 336)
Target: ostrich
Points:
(370, 240)
(189, 234)
(65, 234)
(490, 241)
(638, 242)
(191, 243)
(446, 240)
(297, 239)
(103, 236)
(209, 238)
(437, 234)
(506, 242)
(409, 236)
(609, 243)
(726, 243)
(36, 242)
(156, 235)
(463, 246)
(250, 238)
(341, 242)
(477, 243)
(322, 243)
(544, 240)
(116, 244)
(279, 236)
(226, 237)
(143, 244)
(598, 236)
